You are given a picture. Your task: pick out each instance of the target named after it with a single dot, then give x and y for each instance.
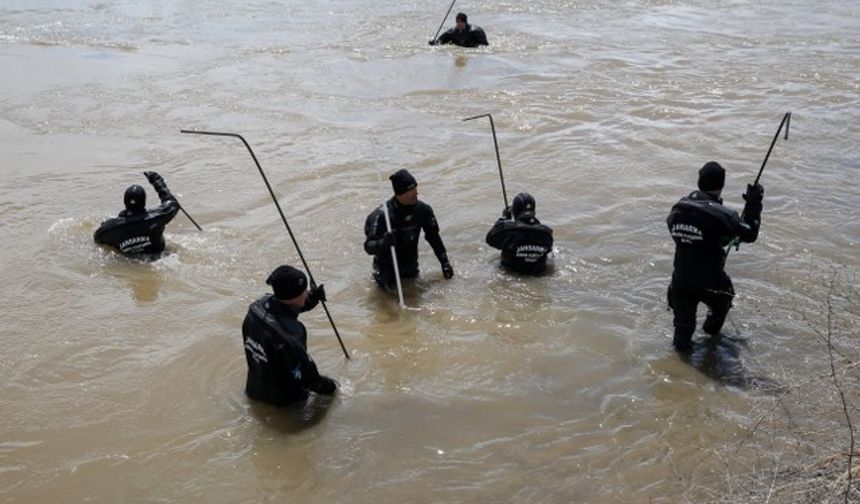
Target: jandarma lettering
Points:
(531, 248)
(134, 241)
(686, 228)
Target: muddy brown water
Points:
(123, 381)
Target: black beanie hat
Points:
(462, 17)
(712, 176)
(134, 199)
(402, 181)
(287, 282)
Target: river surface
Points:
(123, 381)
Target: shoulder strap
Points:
(261, 313)
(711, 208)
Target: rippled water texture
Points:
(124, 381)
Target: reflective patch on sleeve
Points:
(256, 350)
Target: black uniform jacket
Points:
(280, 371)
(702, 227)
(472, 36)
(140, 233)
(407, 222)
(524, 243)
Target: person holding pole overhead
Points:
(701, 227)
(463, 35)
(136, 230)
(408, 216)
(280, 371)
(523, 240)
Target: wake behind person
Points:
(463, 35)
(702, 227)
(409, 217)
(137, 231)
(280, 371)
(523, 240)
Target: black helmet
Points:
(523, 203)
(135, 199)
(712, 177)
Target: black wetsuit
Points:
(524, 243)
(406, 223)
(280, 371)
(472, 36)
(702, 227)
(140, 233)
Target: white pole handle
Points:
(393, 255)
(388, 229)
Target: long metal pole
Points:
(786, 120)
(443, 21)
(189, 217)
(393, 256)
(283, 218)
(498, 158)
(388, 229)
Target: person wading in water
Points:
(137, 231)
(463, 35)
(702, 227)
(409, 217)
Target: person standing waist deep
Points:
(280, 371)
(137, 231)
(523, 240)
(463, 35)
(409, 216)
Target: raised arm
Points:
(750, 220)
(169, 205)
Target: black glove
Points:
(506, 213)
(317, 293)
(389, 240)
(324, 386)
(753, 207)
(447, 270)
(754, 194)
(152, 177)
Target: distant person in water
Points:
(463, 35)
(523, 240)
(702, 227)
(137, 231)
(409, 217)
(280, 371)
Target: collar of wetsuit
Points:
(699, 194)
(527, 217)
(276, 307)
(128, 213)
(402, 207)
